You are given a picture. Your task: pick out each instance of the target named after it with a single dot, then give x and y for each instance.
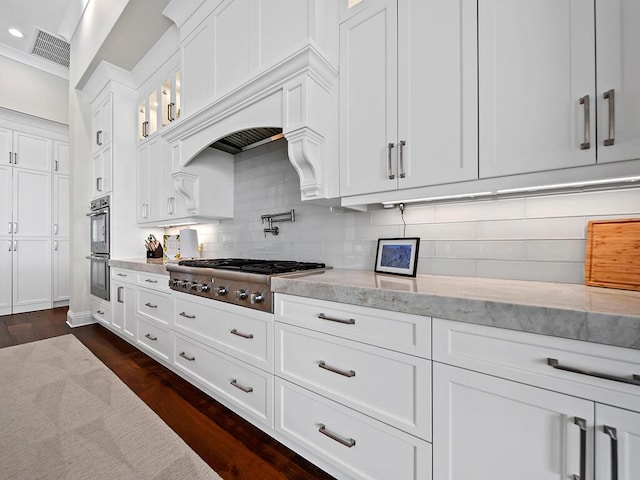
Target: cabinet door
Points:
(31, 151)
(619, 71)
(61, 157)
(143, 198)
(617, 443)
(368, 94)
(437, 92)
(61, 227)
(6, 146)
(149, 184)
(173, 204)
(31, 274)
(31, 203)
(6, 278)
(536, 62)
(486, 427)
(123, 298)
(102, 116)
(61, 269)
(6, 200)
(102, 172)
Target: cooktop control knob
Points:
(257, 297)
(193, 285)
(220, 291)
(184, 283)
(204, 287)
(241, 294)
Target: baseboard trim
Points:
(79, 319)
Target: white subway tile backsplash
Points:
(527, 238)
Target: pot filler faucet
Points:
(272, 218)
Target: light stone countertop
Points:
(593, 314)
(148, 265)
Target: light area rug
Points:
(65, 415)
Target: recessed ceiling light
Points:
(16, 33)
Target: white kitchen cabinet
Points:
(25, 150)
(61, 158)
(6, 200)
(123, 308)
(61, 207)
(31, 274)
(617, 433)
(170, 98)
(618, 72)
(6, 275)
(486, 427)
(149, 173)
(148, 116)
(61, 269)
(102, 172)
(102, 121)
(408, 112)
(31, 203)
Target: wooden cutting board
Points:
(613, 254)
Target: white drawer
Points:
(247, 388)
(241, 332)
(523, 357)
(153, 280)
(378, 451)
(101, 311)
(401, 332)
(123, 275)
(392, 387)
(155, 339)
(154, 305)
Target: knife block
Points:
(157, 253)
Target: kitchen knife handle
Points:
(389, 161)
(587, 123)
(610, 95)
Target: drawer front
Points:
(155, 339)
(123, 275)
(246, 387)
(237, 331)
(524, 357)
(101, 312)
(152, 280)
(154, 305)
(356, 444)
(392, 387)
(401, 332)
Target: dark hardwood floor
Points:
(231, 446)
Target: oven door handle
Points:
(97, 212)
(95, 257)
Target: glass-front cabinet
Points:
(159, 108)
(170, 99)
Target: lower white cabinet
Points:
(101, 311)
(61, 269)
(155, 339)
(123, 300)
(617, 433)
(31, 274)
(6, 275)
(354, 444)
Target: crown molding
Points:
(34, 62)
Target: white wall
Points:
(29, 90)
(534, 238)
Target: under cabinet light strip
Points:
(443, 197)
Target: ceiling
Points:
(124, 47)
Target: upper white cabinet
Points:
(170, 98)
(148, 116)
(102, 121)
(618, 79)
(25, 150)
(408, 95)
(541, 91)
(61, 158)
(160, 107)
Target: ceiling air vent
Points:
(51, 48)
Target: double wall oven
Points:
(100, 246)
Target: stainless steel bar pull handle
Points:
(344, 373)
(148, 280)
(15, 227)
(187, 357)
(151, 337)
(15, 158)
(15, 245)
(582, 425)
(610, 95)
(633, 380)
(10, 227)
(55, 165)
(389, 161)
(150, 305)
(55, 229)
(185, 315)
(99, 184)
(235, 383)
(240, 334)
(613, 435)
(587, 123)
(401, 173)
(349, 321)
(55, 245)
(9, 242)
(119, 295)
(347, 442)
(99, 137)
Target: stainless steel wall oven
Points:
(100, 247)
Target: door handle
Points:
(389, 161)
(610, 95)
(587, 123)
(582, 425)
(401, 145)
(10, 227)
(99, 137)
(55, 245)
(613, 435)
(15, 227)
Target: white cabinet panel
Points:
(31, 151)
(536, 62)
(6, 200)
(617, 443)
(278, 34)
(31, 274)
(102, 168)
(102, 119)
(155, 339)
(61, 157)
(61, 207)
(618, 63)
(232, 60)
(31, 203)
(486, 427)
(61, 269)
(6, 275)
(6, 146)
